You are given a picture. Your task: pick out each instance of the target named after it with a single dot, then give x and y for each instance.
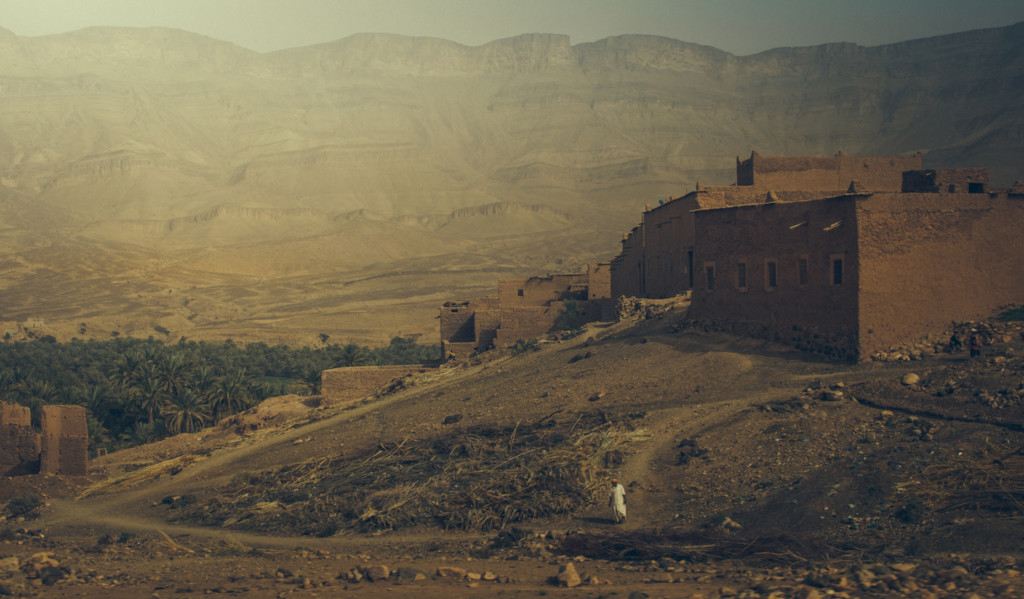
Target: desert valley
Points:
(157, 184)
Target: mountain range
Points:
(158, 182)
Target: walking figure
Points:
(617, 501)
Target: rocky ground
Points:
(751, 471)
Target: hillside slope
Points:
(245, 180)
(814, 461)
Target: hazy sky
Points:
(738, 26)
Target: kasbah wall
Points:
(843, 256)
(524, 309)
(929, 259)
(61, 447)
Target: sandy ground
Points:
(831, 469)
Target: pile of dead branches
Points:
(480, 480)
(995, 484)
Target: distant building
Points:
(525, 309)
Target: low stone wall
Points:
(348, 385)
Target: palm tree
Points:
(353, 355)
(128, 365)
(174, 371)
(149, 391)
(98, 400)
(231, 393)
(185, 412)
(310, 378)
(203, 379)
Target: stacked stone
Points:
(19, 445)
(65, 440)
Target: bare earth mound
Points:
(750, 470)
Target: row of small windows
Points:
(771, 273)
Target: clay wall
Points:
(599, 280)
(488, 321)
(627, 266)
(457, 324)
(526, 322)
(668, 236)
(948, 180)
(529, 322)
(656, 260)
(64, 440)
(19, 450)
(826, 173)
(775, 277)
(14, 414)
(539, 291)
(929, 259)
(340, 386)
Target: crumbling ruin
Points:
(61, 448)
(526, 309)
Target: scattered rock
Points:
(452, 419)
(910, 379)
(410, 574)
(832, 395)
(377, 572)
(451, 573)
(567, 576)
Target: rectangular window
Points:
(771, 274)
(801, 271)
(837, 270)
(709, 272)
(520, 293)
(741, 275)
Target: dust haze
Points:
(158, 180)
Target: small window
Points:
(801, 271)
(741, 275)
(771, 274)
(837, 270)
(709, 271)
(520, 293)
(975, 188)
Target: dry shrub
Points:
(481, 480)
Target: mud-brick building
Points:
(853, 274)
(524, 309)
(841, 255)
(657, 257)
(61, 447)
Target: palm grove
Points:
(137, 391)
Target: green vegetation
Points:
(570, 320)
(524, 345)
(137, 391)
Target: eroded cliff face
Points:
(214, 156)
